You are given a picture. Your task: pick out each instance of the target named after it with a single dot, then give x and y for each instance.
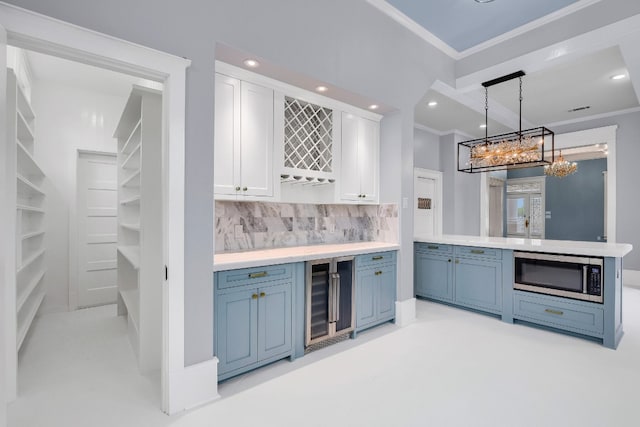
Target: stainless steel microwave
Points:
(561, 275)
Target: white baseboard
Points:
(405, 312)
(195, 385)
(631, 278)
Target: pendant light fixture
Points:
(521, 149)
(560, 167)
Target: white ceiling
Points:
(75, 74)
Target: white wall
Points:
(67, 119)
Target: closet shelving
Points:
(140, 271)
(26, 286)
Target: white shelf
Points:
(32, 234)
(29, 208)
(133, 180)
(23, 105)
(27, 163)
(24, 131)
(31, 314)
(134, 152)
(131, 300)
(27, 187)
(135, 134)
(131, 254)
(24, 295)
(133, 227)
(131, 201)
(25, 263)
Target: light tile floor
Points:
(449, 368)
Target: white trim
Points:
(594, 117)
(405, 312)
(34, 31)
(436, 42)
(414, 27)
(6, 269)
(293, 91)
(631, 278)
(442, 133)
(195, 381)
(529, 26)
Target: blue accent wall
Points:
(576, 202)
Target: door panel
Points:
(434, 276)
(274, 321)
(367, 159)
(97, 229)
(236, 316)
(423, 215)
(349, 175)
(226, 145)
(387, 293)
(366, 302)
(477, 283)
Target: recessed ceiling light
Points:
(482, 126)
(322, 89)
(251, 63)
(373, 107)
(432, 103)
(618, 77)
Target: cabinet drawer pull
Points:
(256, 275)
(477, 251)
(556, 312)
(254, 296)
(262, 294)
(433, 247)
(377, 258)
(378, 273)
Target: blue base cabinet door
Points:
(434, 276)
(237, 328)
(478, 284)
(375, 289)
(274, 321)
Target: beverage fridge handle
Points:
(334, 297)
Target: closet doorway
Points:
(73, 176)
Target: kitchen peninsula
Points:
(568, 286)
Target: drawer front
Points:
(434, 248)
(378, 258)
(558, 313)
(471, 251)
(253, 276)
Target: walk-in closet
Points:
(84, 151)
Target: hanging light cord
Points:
(486, 113)
(520, 130)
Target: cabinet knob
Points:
(237, 188)
(262, 295)
(449, 259)
(378, 273)
(457, 261)
(254, 296)
(244, 189)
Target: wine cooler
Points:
(330, 302)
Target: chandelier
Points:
(560, 167)
(524, 148)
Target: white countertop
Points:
(261, 257)
(533, 245)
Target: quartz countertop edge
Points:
(604, 249)
(263, 257)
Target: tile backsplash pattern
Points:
(274, 225)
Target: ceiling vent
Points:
(573, 110)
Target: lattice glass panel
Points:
(307, 136)
(536, 215)
(529, 187)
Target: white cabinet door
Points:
(349, 164)
(226, 171)
(368, 159)
(359, 159)
(256, 169)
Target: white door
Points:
(97, 229)
(368, 159)
(525, 216)
(427, 205)
(226, 139)
(256, 170)
(349, 175)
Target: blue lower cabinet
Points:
(253, 322)
(478, 284)
(375, 289)
(434, 276)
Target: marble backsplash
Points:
(275, 225)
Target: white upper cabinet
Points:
(243, 145)
(359, 159)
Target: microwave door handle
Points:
(584, 278)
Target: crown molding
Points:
(594, 117)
